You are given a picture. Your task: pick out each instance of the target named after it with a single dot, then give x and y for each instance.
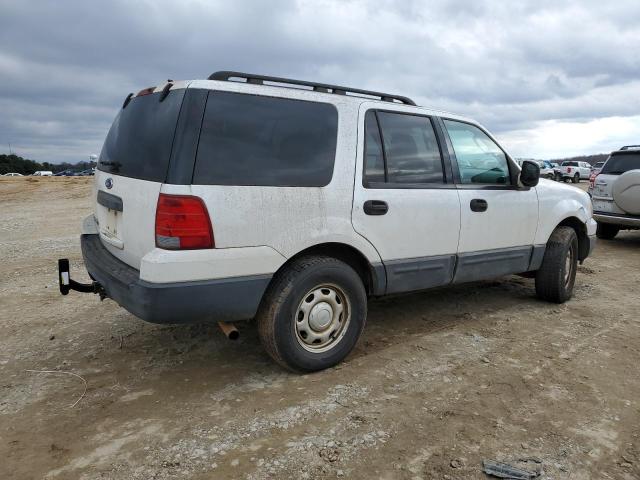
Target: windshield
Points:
(139, 142)
(620, 163)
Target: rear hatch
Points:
(131, 169)
(603, 191)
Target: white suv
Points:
(575, 171)
(245, 196)
(616, 193)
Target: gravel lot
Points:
(440, 380)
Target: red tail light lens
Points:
(568, 169)
(182, 223)
(592, 180)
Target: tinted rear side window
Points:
(621, 163)
(266, 141)
(139, 142)
(411, 155)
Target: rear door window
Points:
(401, 149)
(621, 163)
(139, 142)
(266, 141)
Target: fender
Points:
(558, 202)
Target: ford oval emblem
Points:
(108, 183)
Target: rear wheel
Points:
(312, 314)
(557, 274)
(576, 178)
(606, 231)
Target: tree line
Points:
(16, 164)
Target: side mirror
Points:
(530, 174)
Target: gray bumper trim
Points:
(592, 245)
(226, 299)
(622, 220)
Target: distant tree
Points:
(16, 164)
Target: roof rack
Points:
(317, 87)
(631, 147)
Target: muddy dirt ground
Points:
(440, 380)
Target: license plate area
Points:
(111, 227)
(602, 206)
(110, 210)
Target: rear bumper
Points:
(226, 300)
(616, 219)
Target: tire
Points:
(606, 231)
(557, 274)
(285, 321)
(565, 179)
(576, 178)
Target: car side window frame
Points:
(447, 170)
(513, 171)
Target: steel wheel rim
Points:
(322, 318)
(568, 266)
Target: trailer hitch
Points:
(67, 284)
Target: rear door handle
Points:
(479, 205)
(375, 207)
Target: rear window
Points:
(139, 142)
(266, 141)
(618, 164)
(569, 164)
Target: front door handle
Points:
(375, 207)
(479, 205)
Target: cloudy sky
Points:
(550, 78)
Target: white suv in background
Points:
(615, 191)
(575, 171)
(245, 196)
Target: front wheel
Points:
(606, 231)
(576, 178)
(557, 274)
(312, 314)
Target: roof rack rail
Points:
(631, 147)
(317, 87)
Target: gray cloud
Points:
(66, 66)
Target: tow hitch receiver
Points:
(66, 283)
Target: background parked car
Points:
(546, 169)
(596, 167)
(66, 173)
(575, 171)
(43, 173)
(615, 193)
(13, 174)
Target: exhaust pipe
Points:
(230, 331)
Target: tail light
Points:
(568, 169)
(592, 180)
(183, 223)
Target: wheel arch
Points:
(581, 232)
(373, 275)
